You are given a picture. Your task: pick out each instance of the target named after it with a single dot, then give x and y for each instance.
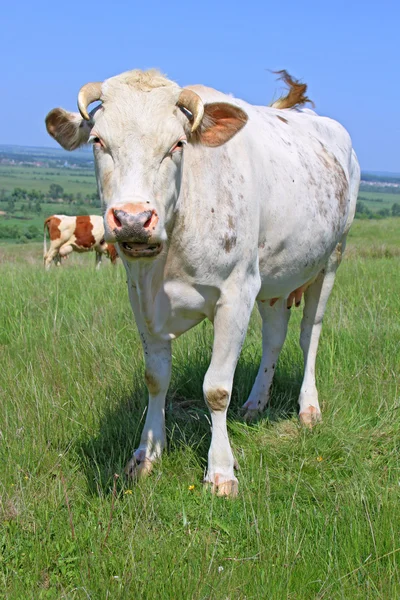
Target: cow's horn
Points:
(88, 93)
(193, 103)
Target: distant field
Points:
(374, 238)
(387, 200)
(72, 180)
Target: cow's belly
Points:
(294, 260)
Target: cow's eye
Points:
(96, 141)
(178, 146)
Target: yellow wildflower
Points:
(128, 492)
(191, 487)
(319, 458)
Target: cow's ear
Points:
(68, 129)
(221, 121)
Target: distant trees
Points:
(363, 212)
(18, 194)
(11, 205)
(27, 200)
(55, 191)
(396, 210)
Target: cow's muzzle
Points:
(134, 230)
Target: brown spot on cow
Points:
(342, 186)
(151, 383)
(217, 400)
(52, 224)
(339, 253)
(112, 253)
(83, 232)
(229, 242)
(282, 119)
(336, 178)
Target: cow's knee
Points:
(217, 398)
(157, 376)
(152, 383)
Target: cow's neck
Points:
(147, 279)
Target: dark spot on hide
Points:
(217, 399)
(229, 242)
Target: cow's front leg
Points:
(157, 355)
(230, 326)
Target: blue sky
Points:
(347, 52)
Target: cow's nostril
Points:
(116, 220)
(150, 220)
(147, 224)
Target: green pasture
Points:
(318, 512)
(373, 238)
(376, 201)
(40, 178)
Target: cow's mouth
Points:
(133, 250)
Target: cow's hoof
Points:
(135, 469)
(228, 488)
(251, 415)
(310, 417)
(252, 409)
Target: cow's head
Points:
(138, 134)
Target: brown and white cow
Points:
(76, 234)
(215, 204)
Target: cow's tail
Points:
(46, 228)
(296, 95)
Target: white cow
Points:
(215, 203)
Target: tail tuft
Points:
(296, 95)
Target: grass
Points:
(318, 512)
(40, 179)
(374, 239)
(375, 201)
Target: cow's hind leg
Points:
(230, 326)
(274, 327)
(49, 257)
(157, 355)
(98, 260)
(316, 298)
